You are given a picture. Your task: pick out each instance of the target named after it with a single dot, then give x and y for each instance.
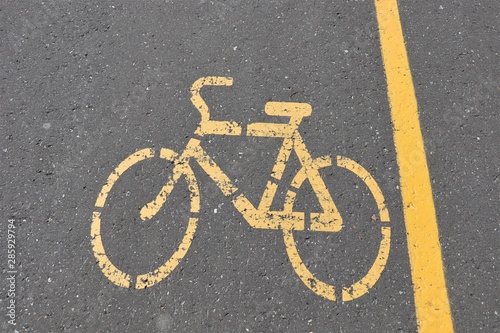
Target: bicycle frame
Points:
(261, 217)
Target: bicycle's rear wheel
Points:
(368, 280)
(148, 279)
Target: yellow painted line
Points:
(208, 126)
(429, 285)
(313, 283)
(124, 165)
(361, 287)
(113, 273)
(319, 287)
(362, 173)
(154, 277)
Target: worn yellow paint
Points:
(288, 109)
(282, 159)
(267, 197)
(181, 168)
(194, 150)
(317, 286)
(318, 163)
(152, 278)
(429, 285)
(115, 275)
(330, 219)
(363, 285)
(362, 173)
(262, 217)
(124, 165)
(208, 126)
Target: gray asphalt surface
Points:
(84, 85)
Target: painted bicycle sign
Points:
(260, 216)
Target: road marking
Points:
(362, 286)
(113, 273)
(429, 285)
(208, 126)
(262, 217)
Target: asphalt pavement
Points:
(86, 85)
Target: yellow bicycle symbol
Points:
(261, 217)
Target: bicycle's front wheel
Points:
(368, 280)
(181, 169)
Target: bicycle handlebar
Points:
(206, 125)
(284, 109)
